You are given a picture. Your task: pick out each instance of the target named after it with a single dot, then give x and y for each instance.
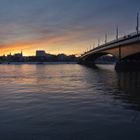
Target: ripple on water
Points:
(69, 102)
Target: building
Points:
(17, 57)
(40, 53)
(18, 54)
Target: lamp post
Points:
(117, 33)
(137, 27)
(98, 42)
(105, 38)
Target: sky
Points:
(62, 26)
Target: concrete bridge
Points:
(125, 49)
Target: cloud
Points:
(61, 25)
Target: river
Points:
(68, 102)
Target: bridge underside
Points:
(127, 56)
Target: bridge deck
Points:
(131, 38)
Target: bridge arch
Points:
(94, 57)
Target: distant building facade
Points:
(17, 57)
(40, 53)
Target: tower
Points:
(21, 53)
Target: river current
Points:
(68, 102)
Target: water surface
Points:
(68, 102)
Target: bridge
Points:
(125, 49)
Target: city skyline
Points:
(63, 26)
(35, 53)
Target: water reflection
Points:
(124, 85)
(129, 85)
(68, 102)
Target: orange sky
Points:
(63, 43)
(62, 26)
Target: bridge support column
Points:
(128, 66)
(87, 63)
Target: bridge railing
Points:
(115, 40)
(120, 38)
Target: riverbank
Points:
(35, 63)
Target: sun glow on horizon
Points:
(52, 46)
(28, 50)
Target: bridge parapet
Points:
(131, 38)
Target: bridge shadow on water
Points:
(129, 86)
(126, 85)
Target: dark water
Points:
(68, 102)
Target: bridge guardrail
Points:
(116, 40)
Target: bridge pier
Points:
(87, 63)
(127, 65)
(132, 65)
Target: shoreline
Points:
(36, 63)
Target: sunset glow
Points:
(55, 27)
